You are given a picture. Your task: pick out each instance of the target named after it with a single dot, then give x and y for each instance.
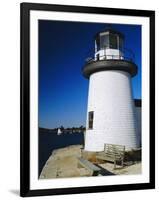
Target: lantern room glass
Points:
(109, 40)
(104, 41)
(113, 41)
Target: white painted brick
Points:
(110, 97)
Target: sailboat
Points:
(59, 132)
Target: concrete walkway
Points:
(64, 163)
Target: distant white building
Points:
(111, 113)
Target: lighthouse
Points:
(111, 116)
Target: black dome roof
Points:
(110, 30)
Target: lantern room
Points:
(109, 45)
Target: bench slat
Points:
(112, 153)
(108, 157)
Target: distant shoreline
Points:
(63, 130)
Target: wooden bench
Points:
(93, 169)
(112, 153)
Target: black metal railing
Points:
(125, 55)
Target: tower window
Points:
(90, 119)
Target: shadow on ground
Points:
(104, 172)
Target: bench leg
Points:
(122, 163)
(114, 164)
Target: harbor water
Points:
(51, 141)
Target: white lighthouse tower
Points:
(111, 111)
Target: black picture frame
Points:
(25, 9)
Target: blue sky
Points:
(63, 48)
